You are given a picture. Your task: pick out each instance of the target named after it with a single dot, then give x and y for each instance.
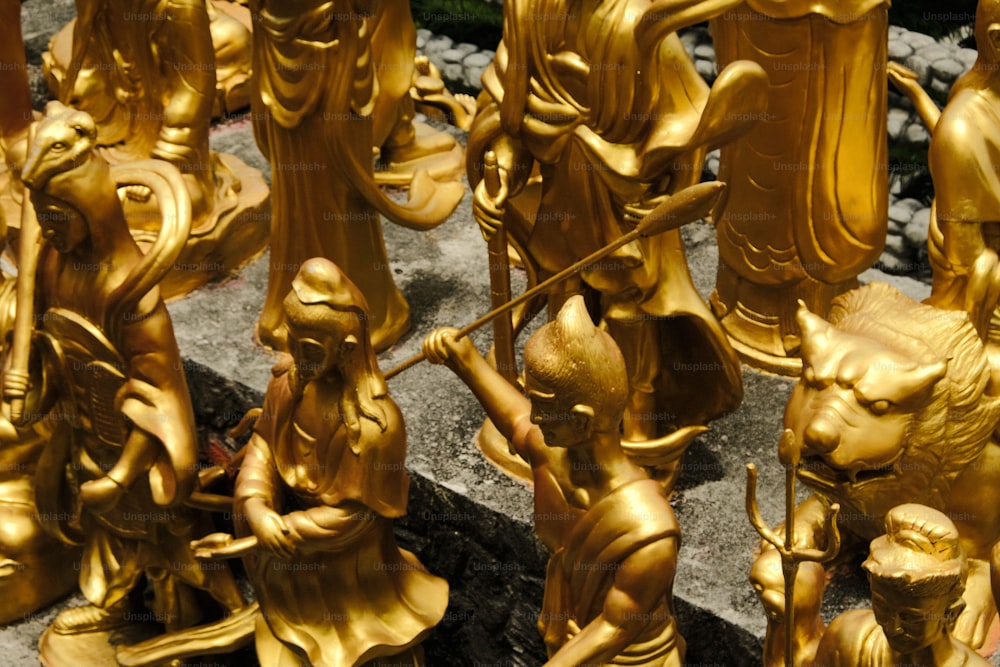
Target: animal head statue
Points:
(894, 401)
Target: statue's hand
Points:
(980, 613)
(488, 208)
(441, 347)
(203, 548)
(901, 76)
(271, 531)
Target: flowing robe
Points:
(808, 185)
(610, 112)
(316, 88)
(350, 593)
(116, 372)
(582, 571)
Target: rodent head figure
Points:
(63, 140)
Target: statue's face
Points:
(910, 623)
(33, 569)
(317, 337)
(561, 425)
(851, 414)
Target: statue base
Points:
(431, 150)
(756, 338)
(94, 649)
(236, 231)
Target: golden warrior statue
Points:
(319, 107)
(612, 535)
(124, 432)
(603, 100)
(808, 204)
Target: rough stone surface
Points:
(916, 230)
(452, 56)
(898, 49)
(897, 120)
(948, 69)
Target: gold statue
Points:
(965, 146)
(592, 122)
(318, 109)
(145, 70)
(121, 460)
(917, 572)
(808, 209)
(804, 625)
(229, 24)
(322, 479)
(896, 403)
(15, 112)
(610, 529)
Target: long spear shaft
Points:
(791, 556)
(688, 205)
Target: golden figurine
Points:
(611, 532)
(230, 28)
(145, 70)
(15, 112)
(793, 623)
(319, 106)
(32, 563)
(965, 146)
(896, 403)
(917, 572)
(593, 122)
(323, 477)
(808, 209)
(121, 460)
(802, 629)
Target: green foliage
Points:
(474, 21)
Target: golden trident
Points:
(789, 455)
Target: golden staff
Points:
(503, 327)
(690, 204)
(16, 377)
(789, 455)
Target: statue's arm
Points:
(641, 582)
(506, 406)
(255, 495)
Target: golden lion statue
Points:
(896, 404)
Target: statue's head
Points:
(917, 573)
(59, 143)
(575, 376)
(34, 567)
(893, 403)
(988, 30)
(327, 321)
